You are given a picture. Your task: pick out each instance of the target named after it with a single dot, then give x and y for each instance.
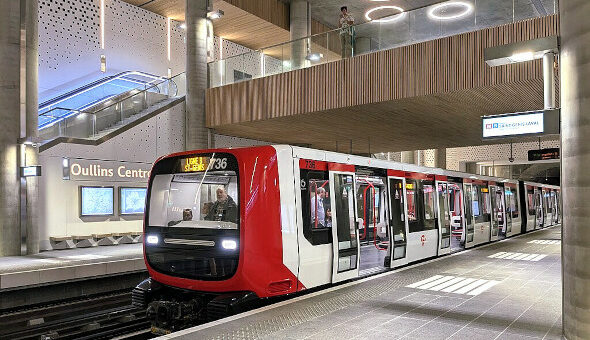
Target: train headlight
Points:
(152, 239)
(229, 244)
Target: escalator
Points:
(102, 106)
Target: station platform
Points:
(504, 290)
(55, 266)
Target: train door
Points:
(344, 231)
(498, 222)
(397, 221)
(508, 199)
(539, 208)
(444, 218)
(531, 211)
(469, 218)
(547, 208)
(457, 214)
(373, 223)
(481, 208)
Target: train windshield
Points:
(207, 199)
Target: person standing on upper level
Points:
(345, 24)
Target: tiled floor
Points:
(524, 302)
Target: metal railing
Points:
(92, 122)
(382, 33)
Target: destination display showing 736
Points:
(201, 163)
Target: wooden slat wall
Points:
(444, 65)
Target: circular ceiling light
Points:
(390, 18)
(438, 12)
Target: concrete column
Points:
(32, 122)
(407, 157)
(362, 45)
(575, 162)
(10, 90)
(549, 80)
(440, 158)
(196, 74)
(300, 27)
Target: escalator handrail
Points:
(94, 84)
(78, 111)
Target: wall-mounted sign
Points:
(543, 154)
(513, 124)
(111, 171)
(30, 171)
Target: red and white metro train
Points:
(227, 227)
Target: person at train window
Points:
(318, 209)
(224, 209)
(187, 215)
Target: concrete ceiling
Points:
(328, 11)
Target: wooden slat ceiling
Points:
(421, 96)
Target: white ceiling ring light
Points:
(390, 18)
(437, 12)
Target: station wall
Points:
(73, 37)
(457, 157)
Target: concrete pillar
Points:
(407, 157)
(440, 158)
(196, 74)
(362, 45)
(575, 162)
(10, 100)
(300, 27)
(32, 123)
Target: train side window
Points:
(514, 203)
(429, 219)
(420, 200)
(315, 206)
(531, 202)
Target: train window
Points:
(511, 201)
(192, 200)
(315, 206)
(531, 202)
(420, 199)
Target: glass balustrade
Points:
(381, 33)
(96, 122)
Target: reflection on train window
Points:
(420, 199)
(512, 201)
(200, 200)
(531, 202)
(315, 206)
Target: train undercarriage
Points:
(171, 309)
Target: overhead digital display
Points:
(543, 154)
(510, 125)
(96, 201)
(193, 164)
(132, 200)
